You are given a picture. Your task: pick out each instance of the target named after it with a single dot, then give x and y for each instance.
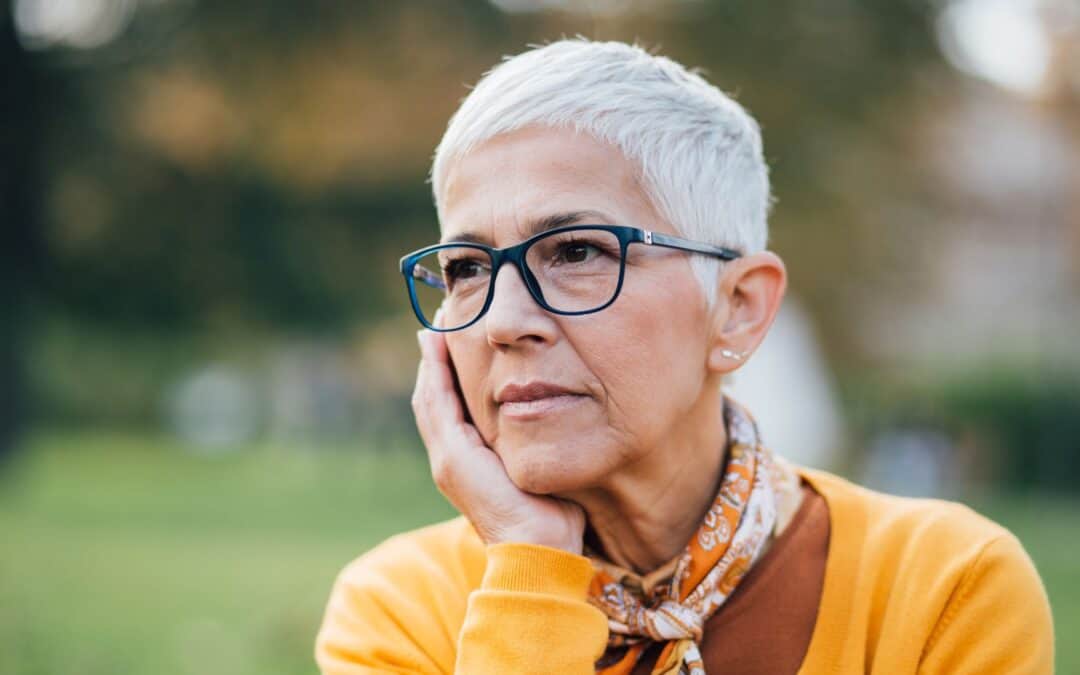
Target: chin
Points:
(544, 467)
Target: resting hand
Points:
(471, 475)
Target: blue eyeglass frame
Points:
(516, 255)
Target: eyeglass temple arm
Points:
(668, 241)
(426, 276)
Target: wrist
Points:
(567, 543)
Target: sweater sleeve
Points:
(398, 611)
(379, 620)
(997, 620)
(530, 614)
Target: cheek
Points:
(652, 363)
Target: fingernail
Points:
(420, 338)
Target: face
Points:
(621, 381)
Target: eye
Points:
(577, 252)
(456, 270)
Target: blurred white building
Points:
(787, 387)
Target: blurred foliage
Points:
(262, 164)
(1029, 419)
(226, 173)
(1014, 423)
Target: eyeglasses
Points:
(572, 270)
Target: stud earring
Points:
(728, 354)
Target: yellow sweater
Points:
(911, 585)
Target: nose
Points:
(513, 316)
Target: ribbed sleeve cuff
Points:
(533, 568)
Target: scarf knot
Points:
(674, 621)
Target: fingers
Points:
(461, 464)
(435, 381)
(432, 408)
(452, 445)
(433, 350)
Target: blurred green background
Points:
(206, 355)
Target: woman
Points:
(620, 513)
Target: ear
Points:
(748, 296)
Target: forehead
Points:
(507, 187)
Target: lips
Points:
(535, 399)
(532, 391)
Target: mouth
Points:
(535, 400)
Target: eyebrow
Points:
(538, 225)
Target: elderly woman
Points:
(602, 266)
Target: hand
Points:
(471, 475)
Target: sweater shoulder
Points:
(892, 523)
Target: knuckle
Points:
(442, 472)
(421, 399)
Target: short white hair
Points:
(698, 151)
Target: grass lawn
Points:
(125, 554)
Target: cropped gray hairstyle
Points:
(698, 151)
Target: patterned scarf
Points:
(672, 604)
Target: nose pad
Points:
(532, 285)
(499, 288)
(514, 314)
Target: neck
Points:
(645, 514)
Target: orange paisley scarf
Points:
(672, 604)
